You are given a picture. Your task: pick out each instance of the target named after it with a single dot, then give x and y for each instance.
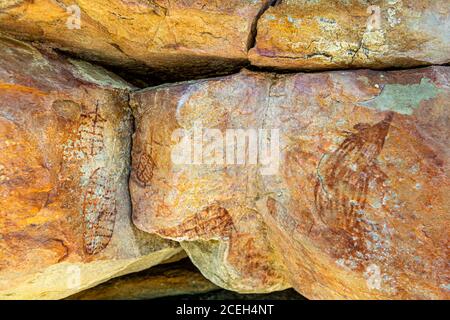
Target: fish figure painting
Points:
(343, 177)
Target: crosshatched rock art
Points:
(277, 143)
(355, 206)
(168, 38)
(65, 135)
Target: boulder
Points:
(335, 183)
(65, 218)
(166, 280)
(317, 35)
(178, 38)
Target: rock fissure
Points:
(349, 128)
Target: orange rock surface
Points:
(355, 206)
(182, 38)
(165, 280)
(323, 34)
(65, 131)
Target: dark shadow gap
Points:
(163, 281)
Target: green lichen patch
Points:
(403, 99)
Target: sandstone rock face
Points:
(186, 38)
(347, 196)
(65, 131)
(303, 34)
(166, 280)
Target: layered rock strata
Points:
(173, 39)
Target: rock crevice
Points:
(162, 41)
(340, 189)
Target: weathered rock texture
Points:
(166, 280)
(358, 207)
(187, 39)
(323, 34)
(65, 131)
(178, 38)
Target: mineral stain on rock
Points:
(403, 98)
